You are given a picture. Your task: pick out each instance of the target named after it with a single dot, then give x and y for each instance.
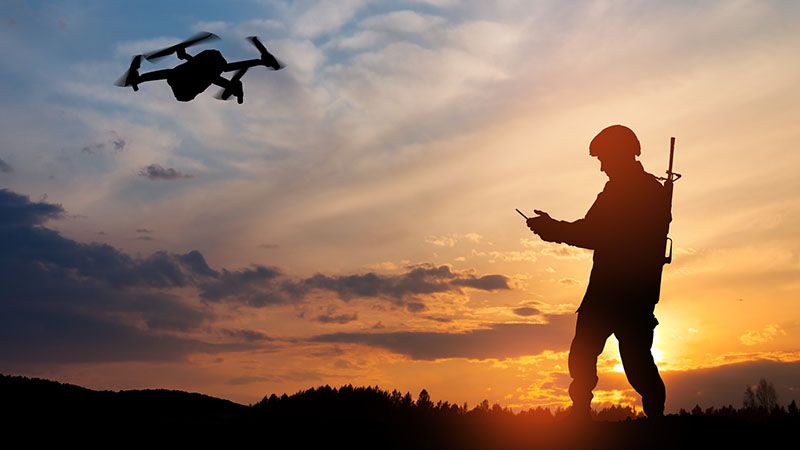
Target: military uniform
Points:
(626, 227)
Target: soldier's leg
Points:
(591, 333)
(635, 340)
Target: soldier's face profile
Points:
(612, 165)
(604, 164)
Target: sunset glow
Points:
(353, 220)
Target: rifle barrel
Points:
(671, 156)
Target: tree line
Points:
(760, 401)
(368, 417)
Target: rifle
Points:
(671, 178)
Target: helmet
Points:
(617, 138)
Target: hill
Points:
(48, 411)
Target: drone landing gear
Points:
(233, 87)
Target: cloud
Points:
(118, 144)
(418, 280)
(441, 241)
(357, 41)
(157, 172)
(292, 375)
(5, 167)
(767, 334)
(437, 3)
(215, 26)
(247, 335)
(340, 319)
(526, 311)
(513, 255)
(325, 17)
(486, 282)
(440, 319)
(559, 251)
(64, 301)
(564, 251)
(569, 281)
(262, 286)
(416, 307)
(403, 22)
(450, 240)
(92, 149)
(115, 142)
(256, 286)
(50, 337)
(497, 340)
(19, 212)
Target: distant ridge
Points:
(38, 411)
(37, 399)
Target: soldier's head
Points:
(617, 148)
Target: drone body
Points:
(196, 75)
(200, 71)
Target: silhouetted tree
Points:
(763, 397)
(727, 411)
(540, 413)
(793, 409)
(749, 401)
(381, 418)
(407, 400)
(766, 397)
(615, 413)
(483, 406)
(424, 400)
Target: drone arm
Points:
(246, 64)
(222, 82)
(153, 76)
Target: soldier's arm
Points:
(580, 233)
(577, 233)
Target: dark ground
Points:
(42, 412)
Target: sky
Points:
(353, 221)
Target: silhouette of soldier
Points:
(626, 227)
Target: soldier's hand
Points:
(544, 226)
(541, 221)
(541, 214)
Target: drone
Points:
(200, 71)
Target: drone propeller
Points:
(267, 57)
(234, 87)
(130, 75)
(194, 40)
